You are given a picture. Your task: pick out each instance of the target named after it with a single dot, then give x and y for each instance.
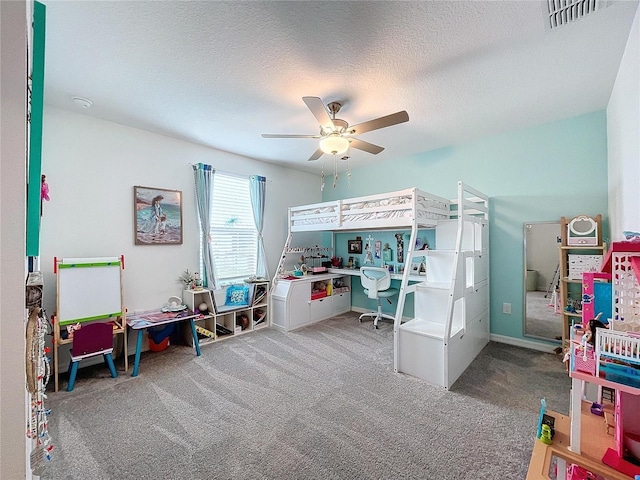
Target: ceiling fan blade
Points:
(365, 146)
(376, 124)
(318, 153)
(319, 111)
(275, 135)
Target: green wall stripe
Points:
(35, 135)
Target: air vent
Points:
(561, 12)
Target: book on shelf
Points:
(259, 294)
(222, 330)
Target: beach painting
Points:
(157, 216)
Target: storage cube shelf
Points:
(574, 260)
(226, 321)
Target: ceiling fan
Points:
(336, 135)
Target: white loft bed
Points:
(400, 209)
(432, 346)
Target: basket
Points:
(576, 472)
(584, 364)
(158, 347)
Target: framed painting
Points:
(157, 216)
(355, 246)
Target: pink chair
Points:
(88, 341)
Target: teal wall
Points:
(358, 298)
(531, 175)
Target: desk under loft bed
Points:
(451, 321)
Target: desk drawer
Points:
(320, 309)
(341, 303)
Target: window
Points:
(234, 239)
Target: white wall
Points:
(13, 86)
(91, 168)
(623, 139)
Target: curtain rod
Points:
(232, 174)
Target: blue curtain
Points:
(203, 177)
(258, 193)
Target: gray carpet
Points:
(322, 402)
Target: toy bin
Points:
(576, 472)
(158, 347)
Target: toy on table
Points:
(546, 424)
(597, 409)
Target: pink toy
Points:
(44, 189)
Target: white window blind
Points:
(233, 232)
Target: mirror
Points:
(542, 317)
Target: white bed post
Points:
(285, 249)
(454, 290)
(575, 414)
(404, 282)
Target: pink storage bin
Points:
(576, 472)
(581, 364)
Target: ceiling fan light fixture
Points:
(334, 144)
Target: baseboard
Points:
(517, 342)
(521, 342)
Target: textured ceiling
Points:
(221, 73)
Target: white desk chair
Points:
(376, 282)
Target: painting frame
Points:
(354, 247)
(157, 216)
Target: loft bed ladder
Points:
(471, 217)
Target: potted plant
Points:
(187, 279)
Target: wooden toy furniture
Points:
(89, 341)
(581, 250)
(88, 290)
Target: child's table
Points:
(153, 318)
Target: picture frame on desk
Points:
(157, 216)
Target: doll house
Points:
(610, 357)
